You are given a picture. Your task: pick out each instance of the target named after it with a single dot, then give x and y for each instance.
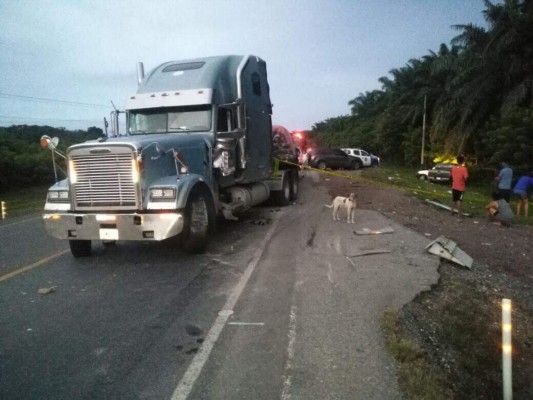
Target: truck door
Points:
(256, 97)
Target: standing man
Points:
(521, 192)
(504, 180)
(458, 176)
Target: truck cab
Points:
(198, 142)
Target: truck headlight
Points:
(58, 196)
(162, 194)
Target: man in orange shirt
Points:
(458, 176)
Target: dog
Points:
(347, 202)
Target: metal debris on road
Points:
(366, 231)
(448, 249)
(444, 206)
(47, 290)
(369, 252)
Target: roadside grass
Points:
(23, 201)
(477, 195)
(415, 375)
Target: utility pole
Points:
(423, 134)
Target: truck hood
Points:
(165, 141)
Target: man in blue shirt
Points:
(521, 192)
(504, 179)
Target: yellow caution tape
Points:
(360, 179)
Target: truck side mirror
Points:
(49, 143)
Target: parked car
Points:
(439, 173)
(323, 158)
(369, 160)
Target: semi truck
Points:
(198, 144)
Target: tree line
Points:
(474, 97)
(24, 163)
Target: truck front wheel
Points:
(199, 221)
(80, 248)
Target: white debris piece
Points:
(448, 249)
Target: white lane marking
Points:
(186, 383)
(246, 323)
(287, 372)
(19, 222)
(31, 266)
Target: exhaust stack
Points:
(140, 72)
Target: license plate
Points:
(108, 234)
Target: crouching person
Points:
(499, 210)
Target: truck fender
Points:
(184, 185)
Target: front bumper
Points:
(113, 226)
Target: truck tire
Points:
(80, 248)
(200, 219)
(321, 165)
(283, 197)
(294, 184)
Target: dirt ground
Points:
(458, 323)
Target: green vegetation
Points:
(477, 195)
(415, 375)
(22, 161)
(23, 201)
(476, 95)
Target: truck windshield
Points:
(183, 119)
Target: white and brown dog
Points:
(348, 203)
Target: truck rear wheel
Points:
(294, 184)
(283, 197)
(80, 248)
(199, 221)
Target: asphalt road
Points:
(281, 306)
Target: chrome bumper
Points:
(113, 226)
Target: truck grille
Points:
(104, 180)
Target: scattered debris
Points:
(370, 252)
(47, 290)
(436, 203)
(366, 231)
(427, 234)
(448, 249)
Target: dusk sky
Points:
(64, 61)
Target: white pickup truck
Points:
(363, 155)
